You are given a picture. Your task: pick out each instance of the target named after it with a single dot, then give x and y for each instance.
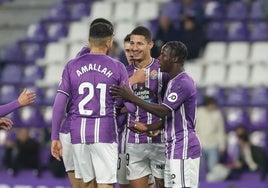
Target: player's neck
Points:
(97, 50)
(143, 63)
(175, 71)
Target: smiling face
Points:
(140, 47)
(165, 59)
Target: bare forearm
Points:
(153, 108)
(156, 126)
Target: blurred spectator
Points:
(23, 153)
(210, 128)
(192, 36)
(193, 9)
(165, 32)
(251, 158)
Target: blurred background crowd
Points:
(227, 42)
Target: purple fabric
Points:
(58, 113)
(181, 139)
(8, 108)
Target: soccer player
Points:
(85, 81)
(61, 141)
(25, 98)
(138, 77)
(178, 112)
(145, 155)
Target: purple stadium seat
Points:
(236, 116)
(216, 31)
(49, 95)
(31, 116)
(215, 10)
(256, 11)
(237, 96)
(8, 93)
(237, 10)
(59, 12)
(11, 74)
(259, 31)
(79, 11)
(259, 96)
(259, 118)
(56, 31)
(32, 73)
(170, 9)
(36, 33)
(200, 95)
(34, 51)
(237, 31)
(9, 51)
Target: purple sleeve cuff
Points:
(131, 108)
(9, 107)
(58, 114)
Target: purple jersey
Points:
(86, 81)
(150, 91)
(181, 139)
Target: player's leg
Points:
(122, 171)
(157, 161)
(184, 173)
(138, 165)
(104, 160)
(83, 165)
(67, 156)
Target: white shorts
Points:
(122, 171)
(145, 159)
(182, 173)
(67, 151)
(96, 160)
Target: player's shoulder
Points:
(184, 80)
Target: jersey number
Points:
(87, 98)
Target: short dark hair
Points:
(141, 30)
(127, 38)
(100, 20)
(178, 49)
(100, 30)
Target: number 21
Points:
(84, 101)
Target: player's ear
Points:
(151, 44)
(109, 42)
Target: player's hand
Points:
(121, 92)
(56, 149)
(6, 123)
(26, 97)
(140, 76)
(153, 133)
(140, 127)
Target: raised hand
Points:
(139, 126)
(121, 92)
(26, 97)
(5, 123)
(139, 76)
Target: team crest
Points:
(153, 74)
(172, 97)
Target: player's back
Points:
(90, 77)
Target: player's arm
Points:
(146, 128)
(57, 116)
(25, 98)
(125, 93)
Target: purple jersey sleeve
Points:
(64, 86)
(9, 107)
(58, 114)
(176, 94)
(83, 51)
